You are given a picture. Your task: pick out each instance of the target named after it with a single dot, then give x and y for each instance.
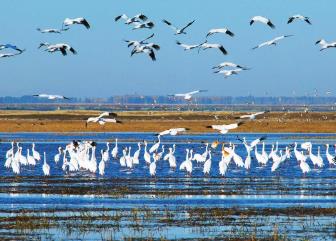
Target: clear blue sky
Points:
(103, 66)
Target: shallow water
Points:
(122, 192)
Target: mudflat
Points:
(154, 121)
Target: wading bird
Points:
(188, 95)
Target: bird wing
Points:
(261, 45)
(291, 19)
(109, 120)
(85, 23)
(181, 129)
(103, 114)
(182, 29)
(245, 116)
(152, 55)
(169, 24)
(165, 132)
(223, 50)
(231, 126)
(149, 37)
(217, 127)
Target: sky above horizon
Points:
(103, 66)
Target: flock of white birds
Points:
(144, 46)
(81, 156)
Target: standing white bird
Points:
(51, 97)
(188, 95)
(30, 159)
(72, 21)
(147, 156)
(263, 20)
(35, 153)
(152, 168)
(114, 152)
(207, 165)
(45, 167)
(272, 41)
(101, 166)
(178, 30)
(137, 154)
(223, 129)
(220, 30)
(122, 159)
(58, 155)
(325, 45)
(305, 168)
(298, 17)
(155, 146)
(330, 158)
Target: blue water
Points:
(255, 188)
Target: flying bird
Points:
(148, 25)
(223, 129)
(220, 47)
(137, 18)
(188, 47)
(11, 46)
(228, 73)
(52, 30)
(253, 116)
(172, 131)
(298, 17)
(229, 64)
(189, 95)
(51, 97)
(7, 55)
(178, 30)
(101, 120)
(272, 41)
(62, 47)
(325, 45)
(72, 21)
(146, 50)
(220, 30)
(262, 20)
(138, 43)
